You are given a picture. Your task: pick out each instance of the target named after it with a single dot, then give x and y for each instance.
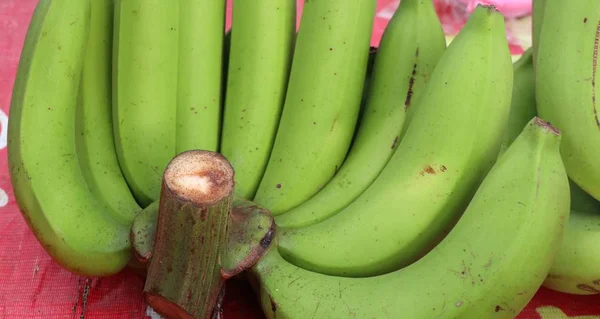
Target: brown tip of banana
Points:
(547, 126)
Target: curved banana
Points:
(453, 139)
(145, 91)
(94, 136)
(411, 45)
(322, 101)
(489, 266)
(522, 107)
(566, 87)
(201, 36)
(260, 59)
(575, 269)
(50, 188)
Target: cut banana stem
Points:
(250, 231)
(72, 225)
(259, 63)
(94, 129)
(451, 143)
(322, 101)
(145, 91)
(201, 33)
(184, 275)
(489, 266)
(566, 85)
(411, 45)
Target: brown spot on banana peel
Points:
(594, 65)
(273, 305)
(411, 83)
(393, 144)
(585, 287)
(429, 170)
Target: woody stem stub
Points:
(184, 275)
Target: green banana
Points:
(523, 107)
(50, 188)
(145, 91)
(489, 266)
(322, 101)
(201, 34)
(259, 63)
(575, 268)
(411, 45)
(454, 135)
(537, 16)
(94, 129)
(567, 63)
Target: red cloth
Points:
(33, 286)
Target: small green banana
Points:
(566, 85)
(259, 63)
(201, 25)
(50, 188)
(451, 143)
(523, 107)
(411, 45)
(94, 129)
(575, 269)
(489, 266)
(145, 91)
(322, 101)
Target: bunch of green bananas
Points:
(419, 164)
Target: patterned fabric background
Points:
(33, 286)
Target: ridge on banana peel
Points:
(72, 225)
(451, 143)
(410, 47)
(537, 16)
(566, 60)
(489, 266)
